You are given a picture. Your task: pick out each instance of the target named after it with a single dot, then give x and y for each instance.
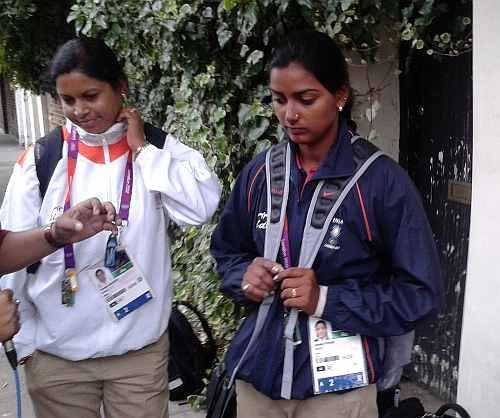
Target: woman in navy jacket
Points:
(376, 273)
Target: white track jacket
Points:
(172, 183)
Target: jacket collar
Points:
(111, 136)
(339, 161)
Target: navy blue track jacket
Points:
(382, 270)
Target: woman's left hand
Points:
(299, 289)
(135, 130)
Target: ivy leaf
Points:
(305, 3)
(243, 113)
(345, 4)
(257, 131)
(244, 50)
(223, 35)
(207, 13)
(255, 57)
(230, 5)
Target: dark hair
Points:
(320, 322)
(318, 54)
(88, 56)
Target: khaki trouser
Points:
(358, 403)
(133, 385)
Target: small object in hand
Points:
(110, 254)
(294, 292)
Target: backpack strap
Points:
(48, 152)
(278, 185)
(155, 135)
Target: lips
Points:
(88, 125)
(86, 122)
(297, 131)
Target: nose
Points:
(291, 115)
(80, 109)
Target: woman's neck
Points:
(312, 155)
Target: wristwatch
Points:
(47, 234)
(140, 148)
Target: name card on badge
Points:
(337, 358)
(123, 287)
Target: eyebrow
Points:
(297, 93)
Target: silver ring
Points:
(246, 286)
(294, 292)
(17, 301)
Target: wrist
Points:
(50, 236)
(140, 148)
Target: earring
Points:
(341, 108)
(124, 96)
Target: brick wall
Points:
(56, 117)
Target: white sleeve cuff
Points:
(320, 307)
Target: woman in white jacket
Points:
(85, 344)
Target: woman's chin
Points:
(94, 127)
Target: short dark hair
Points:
(88, 56)
(318, 54)
(320, 322)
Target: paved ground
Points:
(9, 150)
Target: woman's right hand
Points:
(84, 220)
(9, 316)
(258, 280)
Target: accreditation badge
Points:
(122, 287)
(337, 358)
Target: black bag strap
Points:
(211, 347)
(48, 152)
(155, 135)
(452, 407)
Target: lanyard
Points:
(285, 246)
(126, 197)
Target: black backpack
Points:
(189, 358)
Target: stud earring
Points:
(341, 108)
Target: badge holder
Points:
(69, 286)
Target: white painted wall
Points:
(32, 116)
(479, 371)
(377, 98)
